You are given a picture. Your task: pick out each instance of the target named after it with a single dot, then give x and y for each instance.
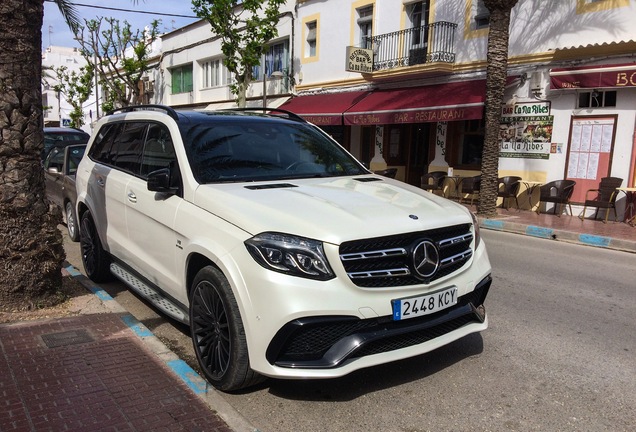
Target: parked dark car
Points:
(61, 137)
(59, 174)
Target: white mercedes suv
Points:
(285, 256)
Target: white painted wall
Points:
(55, 56)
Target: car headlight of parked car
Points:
(476, 225)
(296, 256)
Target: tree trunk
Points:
(241, 99)
(496, 74)
(31, 249)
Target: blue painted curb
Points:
(537, 231)
(138, 328)
(594, 240)
(493, 224)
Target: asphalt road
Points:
(559, 356)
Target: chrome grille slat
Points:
(380, 273)
(450, 260)
(373, 254)
(455, 240)
(388, 261)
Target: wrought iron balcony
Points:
(427, 44)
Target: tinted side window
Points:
(74, 158)
(55, 159)
(100, 150)
(158, 151)
(128, 147)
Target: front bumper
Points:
(329, 342)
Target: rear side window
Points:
(74, 157)
(120, 145)
(103, 143)
(128, 147)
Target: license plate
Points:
(414, 307)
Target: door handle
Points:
(132, 197)
(100, 181)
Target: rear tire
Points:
(94, 258)
(71, 222)
(217, 332)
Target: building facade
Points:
(192, 74)
(401, 83)
(410, 79)
(56, 108)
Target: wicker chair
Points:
(433, 181)
(557, 192)
(605, 197)
(470, 186)
(509, 188)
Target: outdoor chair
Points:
(509, 188)
(434, 181)
(557, 192)
(470, 186)
(389, 172)
(605, 197)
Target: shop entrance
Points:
(418, 152)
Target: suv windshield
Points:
(256, 149)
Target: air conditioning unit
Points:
(536, 81)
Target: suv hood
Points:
(332, 210)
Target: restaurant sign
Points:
(593, 77)
(359, 60)
(527, 137)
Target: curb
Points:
(180, 368)
(559, 235)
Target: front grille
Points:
(388, 261)
(327, 342)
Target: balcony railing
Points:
(427, 44)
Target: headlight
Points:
(476, 225)
(296, 256)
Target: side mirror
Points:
(53, 170)
(159, 181)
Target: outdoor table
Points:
(530, 187)
(630, 203)
(456, 179)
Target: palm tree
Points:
(496, 73)
(31, 246)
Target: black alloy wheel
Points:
(217, 332)
(94, 258)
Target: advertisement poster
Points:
(527, 137)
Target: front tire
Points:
(217, 332)
(94, 258)
(71, 222)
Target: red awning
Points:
(443, 102)
(601, 76)
(324, 109)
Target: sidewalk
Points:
(101, 370)
(612, 235)
(104, 371)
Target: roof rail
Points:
(291, 115)
(152, 107)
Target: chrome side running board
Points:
(152, 295)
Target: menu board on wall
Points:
(589, 152)
(590, 138)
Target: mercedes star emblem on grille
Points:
(426, 258)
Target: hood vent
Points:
(271, 186)
(367, 179)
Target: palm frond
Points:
(68, 11)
